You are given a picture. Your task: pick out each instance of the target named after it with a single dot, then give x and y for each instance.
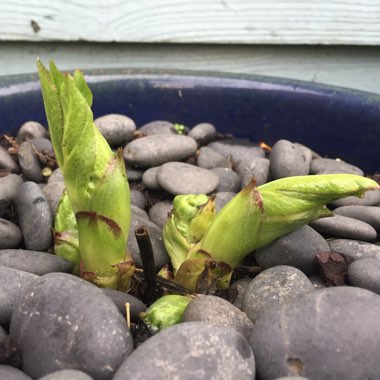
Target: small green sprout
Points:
(179, 128)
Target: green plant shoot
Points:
(95, 180)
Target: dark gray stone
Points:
(203, 133)
(191, 351)
(297, 249)
(120, 299)
(64, 322)
(10, 234)
(56, 176)
(35, 217)
(13, 283)
(53, 193)
(43, 146)
(30, 165)
(208, 158)
(117, 129)
(149, 178)
(181, 178)
(370, 198)
(9, 186)
(331, 166)
(238, 288)
(155, 150)
(7, 162)
(158, 127)
(229, 181)
(138, 199)
(344, 227)
(272, 288)
(367, 214)
(222, 198)
(219, 312)
(3, 335)
(67, 374)
(287, 160)
(354, 248)
(31, 130)
(134, 175)
(257, 167)
(330, 333)
(365, 274)
(11, 373)
(159, 213)
(38, 263)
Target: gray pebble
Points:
(238, 149)
(54, 331)
(191, 351)
(331, 333)
(203, 133)
(134, 175)
(9, 186)
(238, 288)
(181, 178)
(10, 234)
(43, 146)
(208, 158)
(331, 166)
(219, 312)
(158, 127)
(272, 288)
(371, 198)
(53, 193)
(7, 162)
(67, 374)
(138, 199)
(13, 283)
(157, 149)
(344, 227)
(31, 130)
(287, 160)
(367, 214)
(35, 218)
(8, 372)
(229, 180)
(307, 152)
(149, 178)
(120, 299)
(35, 262)
(222, 198)
(257, 167)
(297, 249)
(365, 274)
(117, 129)
(30, 165)
(354, 248)
(159, 212)
(56, 176)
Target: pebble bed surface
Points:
(284, 323)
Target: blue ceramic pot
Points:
(333, 121)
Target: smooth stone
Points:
(35, 217)
(222, 198)
(307, 152)
(367, 214)
(155, 150)
(53, 193)
(9, 186)
(208, 158)
(67, 374)
(3, 335)
(7, 162)
(159, 212)
(181, 178)
(344, 227)
(149, 178)
(287, 160)
(138, 199)
(298, 249)
(203, 133)
(38, 263)
(31, 130)
(317, 281)
(56, 176)
(238, 149)
(354, 248)
(134, 175)
(257, 168)
(331, 333)
(371, 198)
(8, 372)
(332, 166)
(43, 146)
(13, 283)
(10, 234)
(365, 274)
(30, 165)
(191, 351)
(218, 311)
(75, 324)
(158, 127)
(116, 129)
(238, 288)
(273, 287)
(140, 218)
(120, 299)
(229, 180)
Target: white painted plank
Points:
(201, 21)
(353, 67)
